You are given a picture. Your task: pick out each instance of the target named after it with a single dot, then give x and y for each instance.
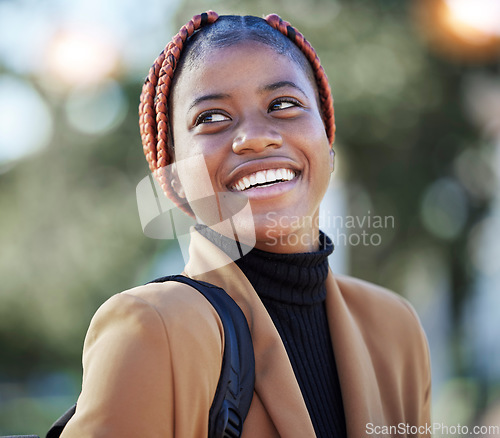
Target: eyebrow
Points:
(269, 87)
(215, 96)
(282, 84)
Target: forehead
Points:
(245, 64)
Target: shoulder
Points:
(142, 345)
(386, 319)
(373, 300)
(170, 308)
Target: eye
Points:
(212, 116)
(283, 103)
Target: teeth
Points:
(262, 177)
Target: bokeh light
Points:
(78, 57)
(462, 30)
(96, 109)
(444, 208)
(481, 15)
(474, 169)
(482, 102)
(26, 124)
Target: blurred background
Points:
(417, 98)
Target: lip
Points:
(252, 166)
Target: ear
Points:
(332, 160)
(175, 183)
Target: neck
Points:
(287, 234)
(296, 242)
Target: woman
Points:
(245, 102)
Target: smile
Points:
(263, 178)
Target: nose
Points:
(256, 136)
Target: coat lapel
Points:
(360, 391)
(275, 381)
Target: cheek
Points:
(321, 166)
(194, 175)
(198, 189)
(319, 147)
(197, 172)
(209, 153)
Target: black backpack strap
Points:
(237, 379)
(57, 428)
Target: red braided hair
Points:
(153, 107)
(153, 121)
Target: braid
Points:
(325, 92)
(153, 122)
(153, 114)
(153, 107)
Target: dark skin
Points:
(253, 115)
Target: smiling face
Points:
(253, 115)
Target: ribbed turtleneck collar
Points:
(287, 278)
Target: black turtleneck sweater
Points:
(292, 288)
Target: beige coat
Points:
(152, 359)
